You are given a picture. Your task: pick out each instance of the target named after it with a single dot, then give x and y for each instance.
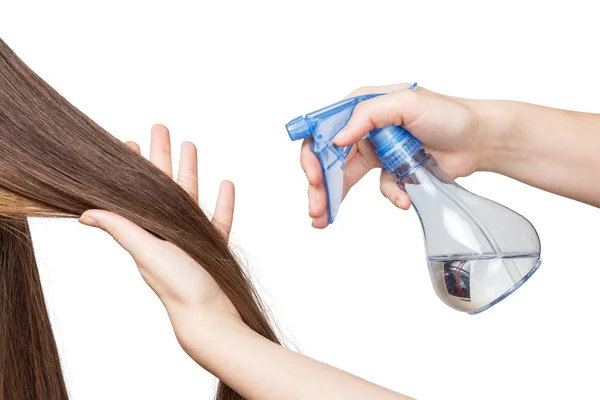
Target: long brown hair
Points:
(55, 161)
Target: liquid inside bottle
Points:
(478, 251)
(475, 283)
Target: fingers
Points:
(223, 216)
(160, 156)
(133, 146)
(131, 237)
(187, 176)
(362, 163)
(160, 149)
(310, 163)
(355, 169)
(317, 200)
(317, 196)
(322, 222)
(379, 112)
(390, 189)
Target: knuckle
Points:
(409, 97)
(359, 91)
(116, 235)
(359, 112)
(361, 116)
(363, 90)
(116, 231)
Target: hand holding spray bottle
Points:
(478, 251)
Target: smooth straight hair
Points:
(56, 162)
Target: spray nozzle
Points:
(298, 128)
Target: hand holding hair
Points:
(174, 276)
(56, 162)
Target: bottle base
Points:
(509, 291)
(474, 283)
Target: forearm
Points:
(554, 150)
(257, 369)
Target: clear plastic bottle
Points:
(478, 251)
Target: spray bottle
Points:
(478, 251)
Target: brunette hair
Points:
(56, 162)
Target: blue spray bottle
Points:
(478, 251)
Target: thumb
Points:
(134, 239)
(390, 109)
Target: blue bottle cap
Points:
(394, 145)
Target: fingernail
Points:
(89, 221)
(399, 203)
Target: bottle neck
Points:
(421, 168)
(395, 146)
(410, 164)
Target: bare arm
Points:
(554, 150)
(259, 369)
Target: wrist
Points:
(496, 123)
(200, 329)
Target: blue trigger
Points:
(323, 125)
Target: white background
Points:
(228, 76)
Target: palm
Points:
(168, 270)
